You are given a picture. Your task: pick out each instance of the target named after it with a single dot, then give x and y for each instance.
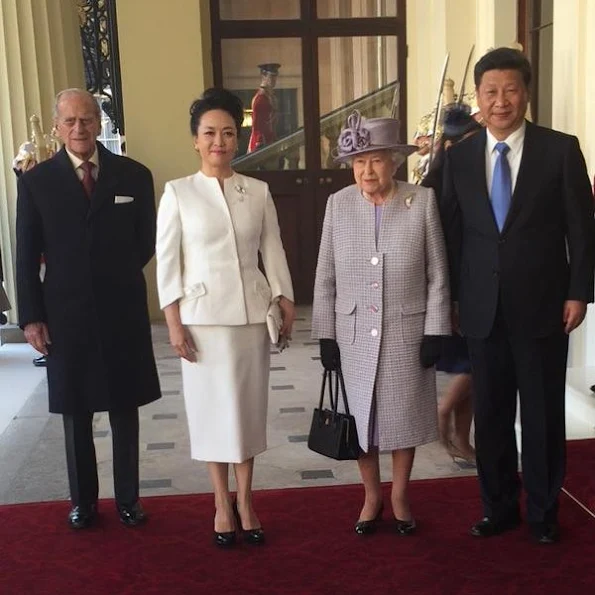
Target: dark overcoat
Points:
(93, 296)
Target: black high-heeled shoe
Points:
(405, 527)
(224, 540)
(369, 527)
(251, 536)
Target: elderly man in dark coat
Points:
(92, 215)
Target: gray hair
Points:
(398, 158)
(75, 91)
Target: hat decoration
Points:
(355, 136)
(374, 134)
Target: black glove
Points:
(430, 350)
(330, 356)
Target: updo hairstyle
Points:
(216, 98)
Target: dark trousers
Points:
(503, 364)
(82, 464)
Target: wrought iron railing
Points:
(99, 36)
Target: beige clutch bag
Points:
(274, 321)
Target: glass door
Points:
(267, 76)
(301, 67)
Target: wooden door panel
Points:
(296, 214)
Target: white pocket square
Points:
(120, 200)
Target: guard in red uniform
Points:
(264, 108)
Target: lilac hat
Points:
(361, 136)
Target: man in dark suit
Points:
(518, 217)
(92, 215)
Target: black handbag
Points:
(332, 433)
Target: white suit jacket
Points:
(207, 250)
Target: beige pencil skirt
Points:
(226, 392)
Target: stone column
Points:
(40, 54)
(496, 24)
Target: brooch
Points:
(240, 190)
(409, 200)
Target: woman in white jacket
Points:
(210, 228)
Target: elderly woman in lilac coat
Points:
(381, 307)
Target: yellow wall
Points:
(165, 64)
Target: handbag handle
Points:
(343, 391)
(334, 394)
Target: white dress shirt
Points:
(77, 162)
(515, 141)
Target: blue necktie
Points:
(501, 185)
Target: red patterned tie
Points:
(88, 179)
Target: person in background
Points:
(92, 215)
(23, 162)
(517, 211)
(4, 303)
(381, 308)
(455, 409)
(211, 227)
(264, 108)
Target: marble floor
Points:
(32, 459)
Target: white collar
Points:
(77, 161)
(514, 140)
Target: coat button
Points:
(374, 332)
(373, 309)
(374, 285)
(374, 260)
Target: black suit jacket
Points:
(93, 296)
(544, 254)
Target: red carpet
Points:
(311, 549)
(580, 475)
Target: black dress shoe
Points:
(369, 527)
(489, 527)
(251, 536)
(82, 517)
(545, 533)
(133, 515)
(405, 527)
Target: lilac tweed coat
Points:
(378, 299)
